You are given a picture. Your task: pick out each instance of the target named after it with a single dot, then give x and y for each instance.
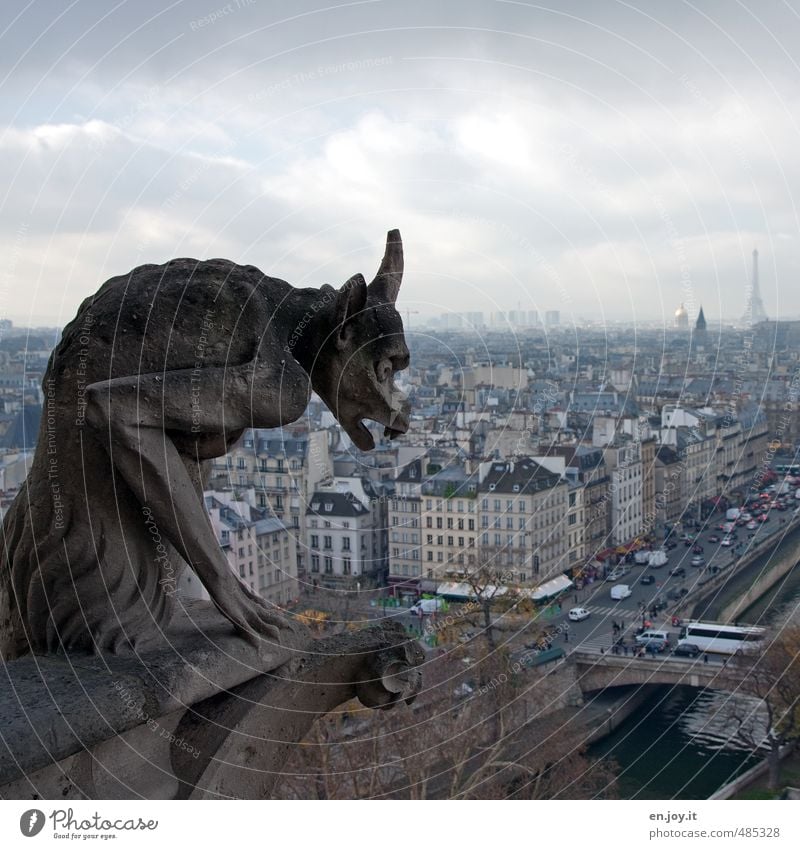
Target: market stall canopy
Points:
(551, 588)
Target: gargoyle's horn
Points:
(386, 285)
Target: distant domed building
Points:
(682, 318)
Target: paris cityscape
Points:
(400, 401)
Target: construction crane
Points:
(409, 313)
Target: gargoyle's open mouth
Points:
(362, 437)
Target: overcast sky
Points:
(606, 159)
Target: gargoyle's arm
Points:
(132, 416)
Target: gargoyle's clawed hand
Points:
(257, 622)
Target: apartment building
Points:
(405, 549)
(283, 466)
(623, 460)
(450, 524)
(523, 515)
(261, 550)
(346, 536)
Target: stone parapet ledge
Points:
(204, 715)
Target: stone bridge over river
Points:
(595, 671)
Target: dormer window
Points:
(515, 488)
(491, 487)
(328, 506)
(315, 506)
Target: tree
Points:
(447, 746)
(773, 678)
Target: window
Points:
(572, 518)
(346, 566)
(438, 521)
(328, 565)
(430, 555)
(461, 524)
(449, 541)
(241, 570)
(314, 541)
(241, 551)
(471, 524)
(315, 562)
(497, 505)
(346, 544)
(327, 542)
(428, 522)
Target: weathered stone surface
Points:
(186, 720)
(161, 370)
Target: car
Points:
(578, 614)
(698, 560)
(764, 517)
(616, 574)
(678, 572)
(658, 639)
(697, 549)
(686, 650)
(670, 544)
(726, 541)
(677, 593)
(751, 526)
(713, 538)
(647, 579)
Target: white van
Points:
(657, 639)
(620, 591)
(426, 606)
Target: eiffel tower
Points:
(754, 311)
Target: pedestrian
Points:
(705, 658)
(576, 598)
(625, 649)
(602, 650)
(566, 636)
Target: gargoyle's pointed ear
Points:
(386, 285)
(350, 300)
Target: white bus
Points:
(722, 639)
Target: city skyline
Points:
(607, 162)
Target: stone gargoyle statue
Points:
(161, 370)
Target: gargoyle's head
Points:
(354, 371)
